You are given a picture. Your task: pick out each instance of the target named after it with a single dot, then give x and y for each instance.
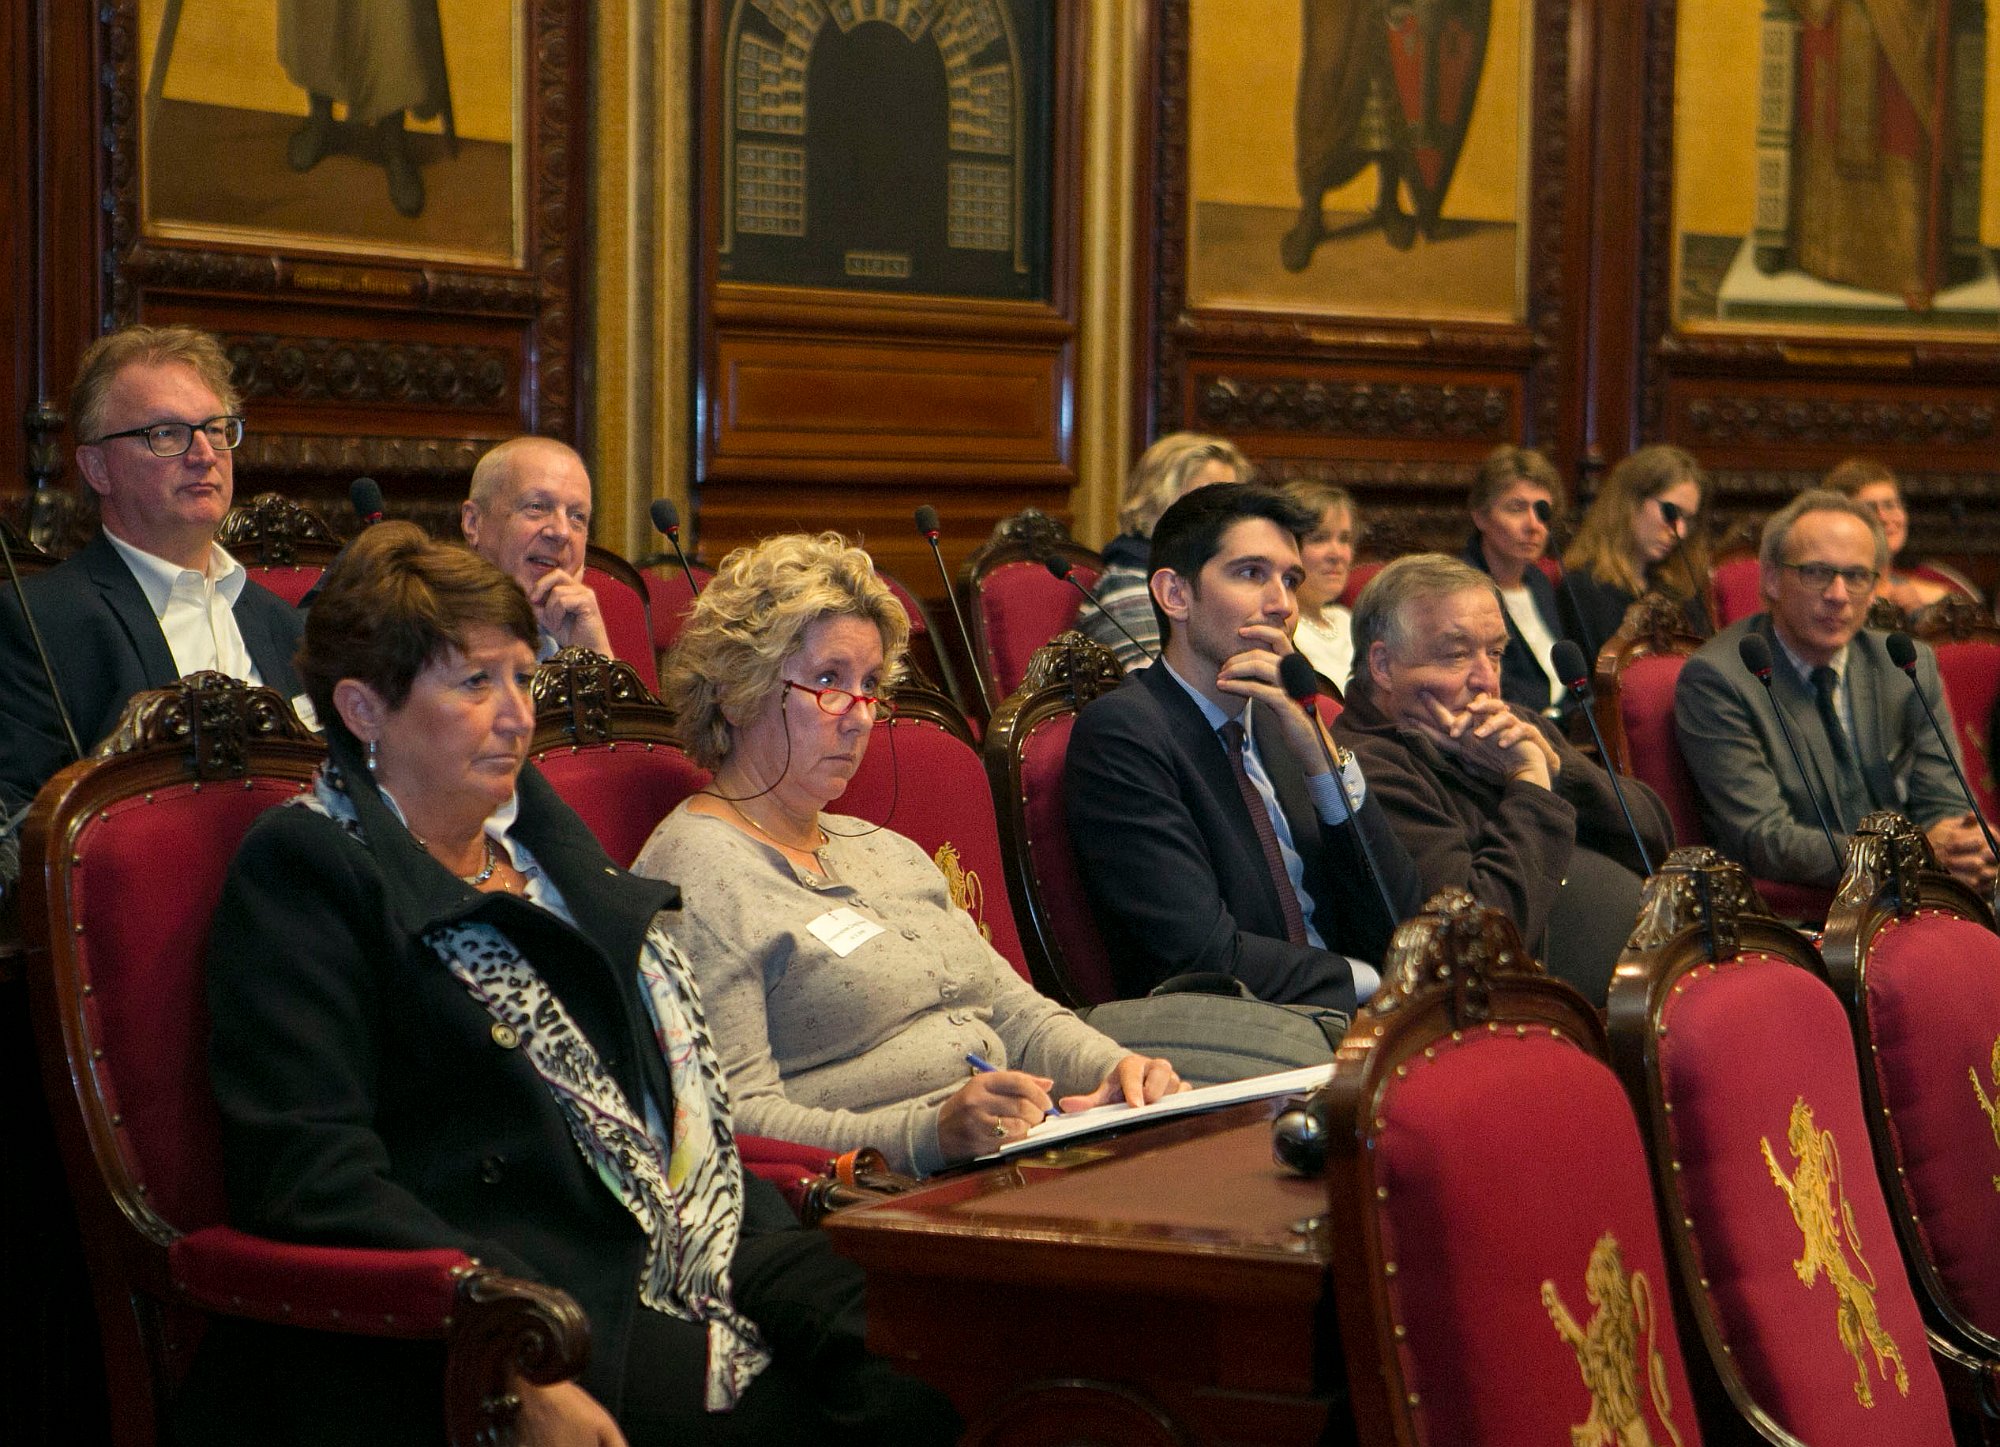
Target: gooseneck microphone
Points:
(1546, 516)
(1756, 656)
(365, 494)
(1063, 571)
(1671, 515)
(41, 649)
(667, 520)
(1903, 653)
(1295, 671)
(927, 524)
(1572, 675)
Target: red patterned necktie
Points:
(1267, 835)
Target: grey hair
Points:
(1778, 528)
(1378, 612)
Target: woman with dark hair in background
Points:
(443, 1018)
(1626, 543)
(1324, 633)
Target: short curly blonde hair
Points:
(1160, 477)
(753, 615)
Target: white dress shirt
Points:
(196, 611)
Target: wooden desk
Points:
(1167, 1287)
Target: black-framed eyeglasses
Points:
(1819, 577)
(839, 702)
(173, 439)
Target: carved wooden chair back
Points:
(282, 544)
(608, 748)
(1914, 956)
(628, 615)
(1634, 680)
(1013, 604)
(1737, 1054)
(1026, 743)
(1497, 1281)
(124, 858)
(1967, 641)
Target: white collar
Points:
(157, 577)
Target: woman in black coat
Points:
(1627, 545)
(443, 1018)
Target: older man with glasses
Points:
(1856, 720)
(152, 597)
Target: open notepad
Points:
(1207, 1097)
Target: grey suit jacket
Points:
(1753, 803)
(105, 645)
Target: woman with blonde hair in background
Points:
(1176, 465)
(1626, 543)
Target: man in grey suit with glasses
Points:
(1852, 712)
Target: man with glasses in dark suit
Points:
(152, 597)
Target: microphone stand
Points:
(666, 517)
(1900, 644)
(927, 524)
(1569, 663)
(41, 649)
(1546, 516)
(1670, 513)
(1061, 569)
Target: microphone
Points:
(41, 650)
(1546, 516)
(1756, 656)
(1295, 671)
(1671, 515)
(365, 493)
(1572, 675)
(1903, 653)
(1063, 571)
(667, 519)
(927, 524)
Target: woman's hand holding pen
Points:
(993, 1107)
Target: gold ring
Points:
(999, 1130)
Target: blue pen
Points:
(986, 1067)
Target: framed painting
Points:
(364, 128)
(1834, 168)
(1362, 215)
(1358, 159)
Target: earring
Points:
(374, 755)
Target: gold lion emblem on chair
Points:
(964, 887)
(1607, 1351)
(1989, 1106)
(1825, 1218)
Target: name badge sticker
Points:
(844, 930)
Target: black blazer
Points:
(365, 1101)
(1172, 865)
(105, 645)
(1523, 680)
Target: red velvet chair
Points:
(1013, 604)
(1738, 1056)
(1914, 957)
(1358, 577)
(1968, 652)
(1025, 746)
(669, 601)
(1738, 591)
(281, 544)
(923, 778)
(607, 747)
(1634, 701)
(628, 617)
(123, 861)
(1497, 1262)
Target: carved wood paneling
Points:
(1372, 401)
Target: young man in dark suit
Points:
(1163, 775)
(152, 597)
